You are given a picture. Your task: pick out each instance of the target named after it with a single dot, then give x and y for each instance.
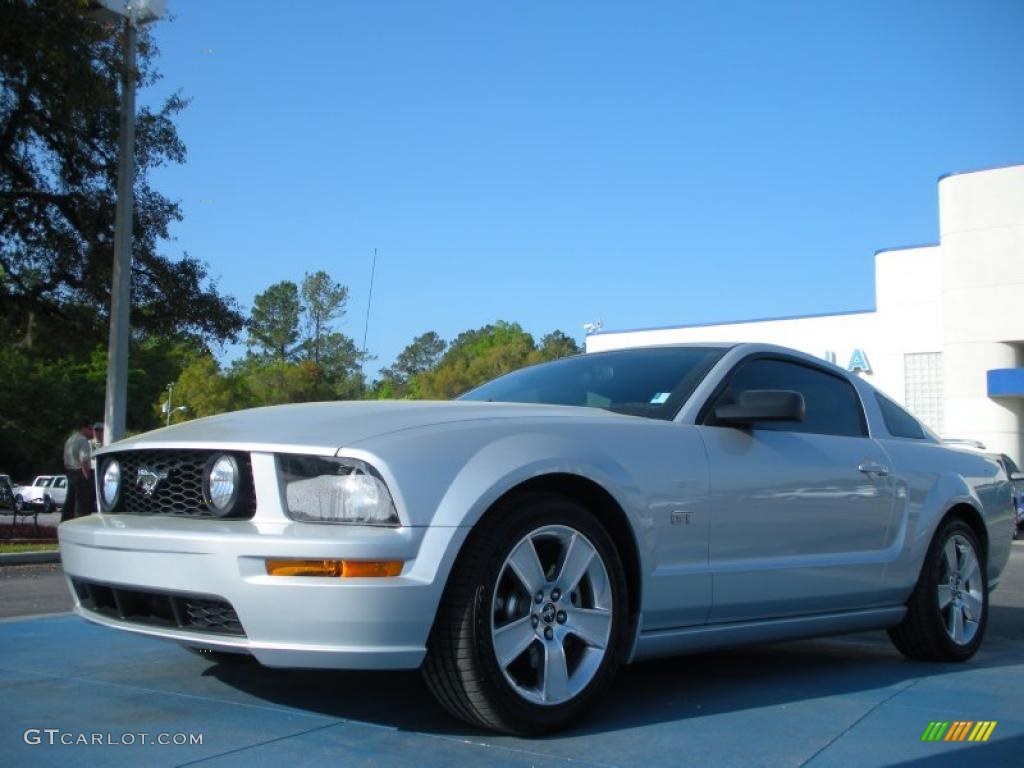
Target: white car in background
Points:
(6, 492)
(47, 493)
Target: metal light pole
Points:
(170, 408)
(134, 13)
(116, 403)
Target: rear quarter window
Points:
(898, 422)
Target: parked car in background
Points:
(58, 491)
(47, 493)
(1012, 471)
(6, 492)
(522, 543)
(1017, 479)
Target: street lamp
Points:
(133, 13)
(168, 407)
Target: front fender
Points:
(500, 466)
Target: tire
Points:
(19, 504)
(553, 665)
(955, 568)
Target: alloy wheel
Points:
(551, 616)
(960, 595)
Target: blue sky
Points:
(553, 163)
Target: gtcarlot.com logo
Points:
(55, 736)
(959, 730)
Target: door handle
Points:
(871, 468)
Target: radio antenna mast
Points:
(369, 299)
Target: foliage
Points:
(60, 74)
(325, 302)
(42, 399)
(59, 124)
(482, 354)
(274, 323)
(422, 355)
(557, 344)
(204, 390)
(59, 115)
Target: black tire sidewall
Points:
(519, 519)
(931, 574)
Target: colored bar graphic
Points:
(982, 731)
(959, 730)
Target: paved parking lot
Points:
(849, 701)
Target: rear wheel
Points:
(530, 629)
(948, 610)
(19, 505)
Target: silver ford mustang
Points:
(521, 543)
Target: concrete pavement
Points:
(849, 701)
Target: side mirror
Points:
(1017, 476)
(762, 405)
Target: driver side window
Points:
(832, 404)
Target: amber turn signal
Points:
(362, 568)
(343, 568)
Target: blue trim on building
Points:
(739, 322)
(1006, 382)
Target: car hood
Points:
(324, 428)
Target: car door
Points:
(59, 489)
(799, 510)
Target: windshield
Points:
(651, 382)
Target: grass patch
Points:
(40, 547)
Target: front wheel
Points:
(948, 610)
(530, 629)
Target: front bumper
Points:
(352, 623)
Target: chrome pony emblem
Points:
(149, 480)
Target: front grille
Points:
(181, 493)
(176, 610)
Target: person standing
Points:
(77, 452)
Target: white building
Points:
(946, 337)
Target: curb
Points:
(29, 558)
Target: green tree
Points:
(557, 344)
(477, 356)
(420, 356)
(204, 389)
(289, 366)
(271, 381)
(274, 322)
(43, 398)
(59, 113)
(341, 366)
(325, 301)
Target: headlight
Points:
(329, 490)
(222, 481)
(110, 487)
